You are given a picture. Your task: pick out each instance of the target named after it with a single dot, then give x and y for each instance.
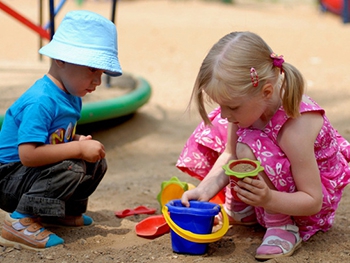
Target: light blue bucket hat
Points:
(87, 39)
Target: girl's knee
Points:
(244, 151)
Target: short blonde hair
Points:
(225, 73)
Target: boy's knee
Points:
(103, 164)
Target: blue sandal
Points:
(27, 233)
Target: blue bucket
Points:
(191, 227)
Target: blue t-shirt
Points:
(43, 114)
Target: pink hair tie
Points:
(277, 61)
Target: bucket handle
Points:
(198, 238)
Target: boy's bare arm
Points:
(34, 155)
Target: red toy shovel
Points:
(152, 227)
(137, 211)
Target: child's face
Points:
(245, 111)
(79, 80)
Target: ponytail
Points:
(292, 90)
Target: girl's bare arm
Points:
(216, 179)
(297, 142)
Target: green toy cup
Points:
(239, 169)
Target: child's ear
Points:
(59, 63)
(267, 91)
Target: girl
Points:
(265, 116)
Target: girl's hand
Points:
(254, 192)
(91, 150)
(193, 194)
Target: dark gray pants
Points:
(57, 190)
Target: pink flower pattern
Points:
(332, 153)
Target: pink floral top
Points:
(332, 153)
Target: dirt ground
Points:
(165, 42)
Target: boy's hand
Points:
(92, 150)
(82, 137)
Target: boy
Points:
(47, 172)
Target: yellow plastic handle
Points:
(198, 238)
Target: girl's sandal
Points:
(279, 242)
(246, 217)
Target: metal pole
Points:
(346, 14)
(40, 24)
(57, 9)
(52, 18)
(114, 8)
(24, 20)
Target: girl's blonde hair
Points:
(225, 73)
